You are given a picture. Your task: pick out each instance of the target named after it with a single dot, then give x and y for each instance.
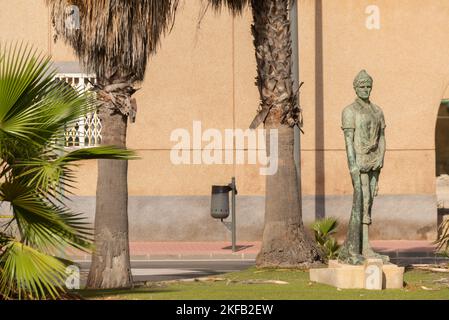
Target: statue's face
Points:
(363, 90)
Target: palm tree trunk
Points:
(284, 242)
(111, 266)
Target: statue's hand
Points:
(379, 165)
(376, 190)
(354, 170)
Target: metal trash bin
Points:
(219, 207)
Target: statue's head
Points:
(363, 84)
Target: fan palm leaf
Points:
(324, 229)
(53, 172)
(28, 273)
(34, 110)
(42, 223)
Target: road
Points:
(162, 270)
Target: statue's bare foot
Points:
(351, 258)
(369, 253)
(356, 259)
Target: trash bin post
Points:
(220, 207)
(234, 228)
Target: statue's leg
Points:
(367, 251)
(351, 252)
(367, 203)
(374, 182)
(367, 200)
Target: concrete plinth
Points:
(346, 276)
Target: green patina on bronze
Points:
(363, 125)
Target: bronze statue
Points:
(363, 125)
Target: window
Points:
(86, 132)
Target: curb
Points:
(181, 257)
(394, 258)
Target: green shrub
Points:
(323, 230)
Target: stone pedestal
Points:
(366, 276)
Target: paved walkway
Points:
(400, 251)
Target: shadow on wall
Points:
(320, 200)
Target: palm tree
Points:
(35, 173)
(284, 243)
(114, 40)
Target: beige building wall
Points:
(205, 72)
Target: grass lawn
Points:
(419, 285)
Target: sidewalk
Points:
(400, 251)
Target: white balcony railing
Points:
(86, 132)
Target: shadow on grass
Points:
(121, 293)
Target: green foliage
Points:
(443, 240)
(35, 173)
(323, 230)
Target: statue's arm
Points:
(350, 151)
(382, 146)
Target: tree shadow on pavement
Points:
(238, 248)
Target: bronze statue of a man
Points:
(363, 125)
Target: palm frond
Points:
(235, 6)
(53, 173)
(326, 226)
(323, 230)
(115, 35)
(33, 107)
(103, 152)
(28, 273)
(42, 224)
